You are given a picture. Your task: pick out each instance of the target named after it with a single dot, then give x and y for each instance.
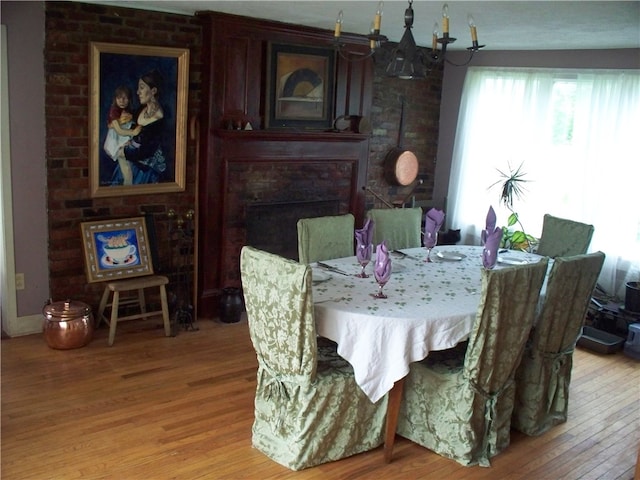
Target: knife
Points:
(333, 269)
(404, 255)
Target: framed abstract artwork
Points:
(137, 119)
(116, 249)
(300, 87)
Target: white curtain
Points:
(578, 150)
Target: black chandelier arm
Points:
(353, 57)
(471, 50)
(357, 57)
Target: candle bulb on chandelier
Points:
(372, 42)
(434, 40)
(338, 29)
(474, 32)
(445, 20)
(377, 21)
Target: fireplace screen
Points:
(273, 226)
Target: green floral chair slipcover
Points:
(542, 380)
(460, 407)
(324, 238)
(308, 408)
(561, 237)
(400, 227)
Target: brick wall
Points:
(70, 26)
(421, 120)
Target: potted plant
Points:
(512, 188)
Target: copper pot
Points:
(400, 167)
(67, 324)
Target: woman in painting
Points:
(143, 154)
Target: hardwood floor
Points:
(152, 407)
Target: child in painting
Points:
(120, 122)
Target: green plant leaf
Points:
(513, 219)
(518, 237)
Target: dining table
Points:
(429, 306)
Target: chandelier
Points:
(407, 60)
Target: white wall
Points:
(25, 30)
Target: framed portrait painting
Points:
(116, 249)
(137, 119)
(300, 87)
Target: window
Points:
(574, 132)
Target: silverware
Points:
(329, 300)
(404, 255)
(332, 269)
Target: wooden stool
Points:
(138, 284)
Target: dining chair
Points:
(400, 227)
(461, 407)
(544, 374)
(309, 409)
(562, 237)
(324, 238)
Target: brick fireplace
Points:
(266, 189)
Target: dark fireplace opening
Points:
(272, 227)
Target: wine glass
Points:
(430, 241)
(363, 254)
(382, 277)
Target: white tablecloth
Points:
(430, 306)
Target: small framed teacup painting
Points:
(116, 249)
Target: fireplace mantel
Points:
(238, 168)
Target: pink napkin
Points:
(433, 220)
(490, 224)
(491, 246)
(382, 267)
(364, 237)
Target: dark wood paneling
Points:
(235, 78)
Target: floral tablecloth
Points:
(430, 306)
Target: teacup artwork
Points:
(119, 255)
(118, 249)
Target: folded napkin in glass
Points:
(364, 235)
(491, 247)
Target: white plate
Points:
(319, 276)
(450, 256)
(512, 260)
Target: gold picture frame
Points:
(116, 249)
(300, 87)
(155, 81)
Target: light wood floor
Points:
(152, 407)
